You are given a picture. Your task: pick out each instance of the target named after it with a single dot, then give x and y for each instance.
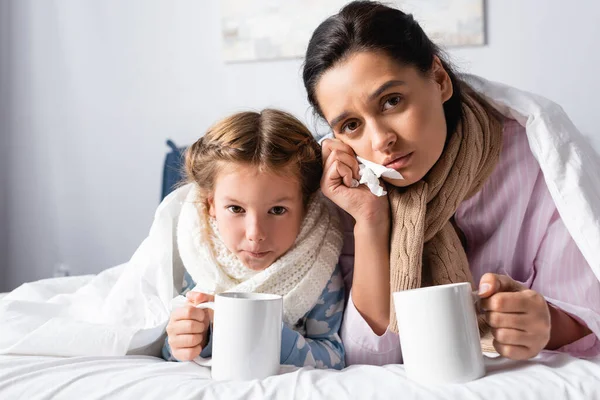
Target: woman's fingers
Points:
(344, 158)
(339, 173)
(329, 145)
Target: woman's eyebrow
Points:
(385, 87)
(374, 95)
(339, 118)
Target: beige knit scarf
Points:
(425, 247)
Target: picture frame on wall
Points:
(279, 29)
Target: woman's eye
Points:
(235, 209)
(278, 210)
(350, 127)
(391, 102)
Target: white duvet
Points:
(552, 376)
(549, 376)
(124, 310)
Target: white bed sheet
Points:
(550, 376)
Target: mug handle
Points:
(205, 362)
(477, 302)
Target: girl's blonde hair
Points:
(271, 140)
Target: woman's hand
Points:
(188, 327)
(519, 317)
(340, 185)
(371, 277)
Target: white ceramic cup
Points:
(439, 334)
(246, 336)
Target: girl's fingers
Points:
(198, 297)
(185, 341)
(187, 354)
(188, 312)
(187, 326)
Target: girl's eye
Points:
(235, 209)
(391, 102)
(277, 210)
(350, 127)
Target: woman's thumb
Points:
(488, 285)
(494, 283)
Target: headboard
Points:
(173, 168)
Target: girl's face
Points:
(258, 213)
(386, 112)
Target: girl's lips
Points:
(257, 255)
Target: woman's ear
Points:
(441, 77)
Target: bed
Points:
(548, 376)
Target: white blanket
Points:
(125, 309)
(122, 310)
(568, 161)
(555, 376)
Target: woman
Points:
(473, 204)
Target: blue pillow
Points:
(173, 168)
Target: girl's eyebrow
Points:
(283, 199)
(231, 200)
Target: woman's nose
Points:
(382, 138)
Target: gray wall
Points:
(97, 87)
(4, 145)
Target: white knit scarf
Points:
(300, 275)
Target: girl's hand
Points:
(340, 185)
(188, 327)
(519, 317)
(198, 298)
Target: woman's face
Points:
(386, 112)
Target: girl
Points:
(473, 204)
(254, 221)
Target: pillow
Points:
(173, 169)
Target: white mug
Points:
(246, 336)
(439, 334)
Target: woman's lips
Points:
(399, 162)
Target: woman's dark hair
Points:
(372, 26)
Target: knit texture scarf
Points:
(425, 247)
(300, 275)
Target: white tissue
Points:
(370, 173)
(178, 302)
